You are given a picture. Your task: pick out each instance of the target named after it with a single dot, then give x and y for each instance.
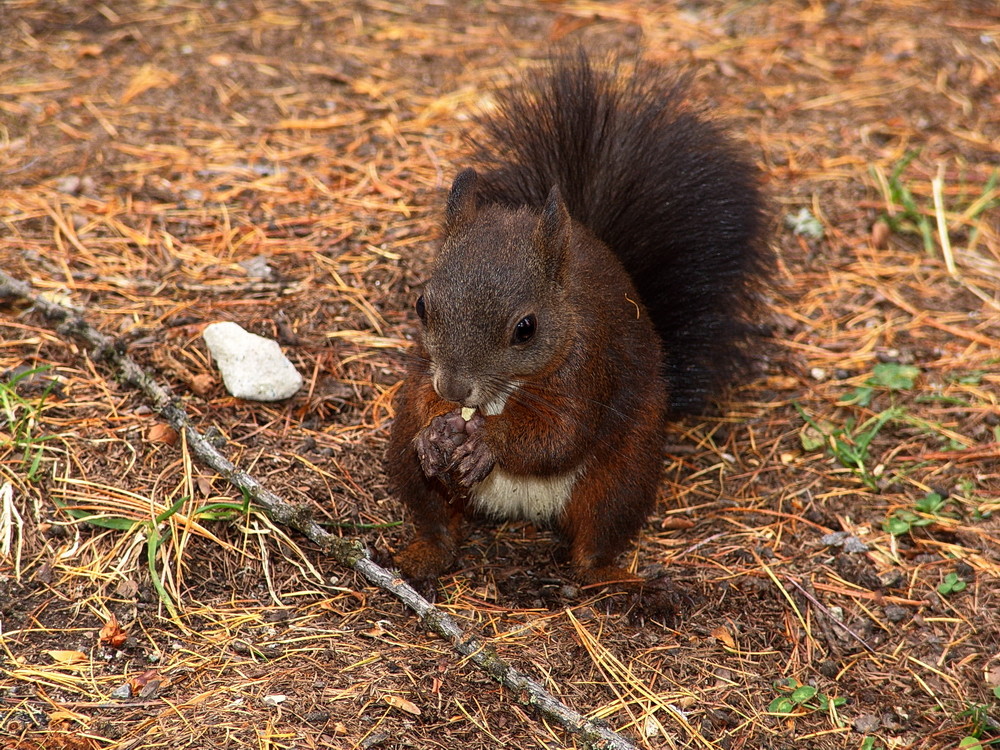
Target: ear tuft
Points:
(461, 207)
(553, 231)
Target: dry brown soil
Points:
(154, 155)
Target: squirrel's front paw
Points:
(436, 443)
(473, 461)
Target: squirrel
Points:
(601, 273)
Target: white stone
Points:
(252, 366)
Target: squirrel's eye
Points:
(421, 308)
(524, 329)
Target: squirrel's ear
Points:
(461, 207)
(552, 232)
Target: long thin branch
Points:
(348, 552)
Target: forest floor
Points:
(283, 164)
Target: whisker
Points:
(533, 398)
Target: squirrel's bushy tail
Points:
(662, 185)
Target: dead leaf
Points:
(146, 685)
(162, 433)
(127, 589)
(402, 704)
(65, 716)
(723, 636)
(376, 631)
(67, 657)
(112, 633)
(202, 384)
(993, 677)
(204, 485)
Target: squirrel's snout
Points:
(453, 387)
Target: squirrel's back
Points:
(661, 184)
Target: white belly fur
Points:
(534, 499)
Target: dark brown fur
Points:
(614, 432)
(656, 197)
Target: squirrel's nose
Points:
(452, 387)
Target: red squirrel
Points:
(600, 273)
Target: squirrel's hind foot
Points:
(423, 560)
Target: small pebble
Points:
(252, 366)
(867, 723)
(880, 234)
(805, 224)
(69, 184)
(853, 545)
(374, 740)
(890, 578)
(829, 669)
(894, 613)
(834, 538)
(257, 267)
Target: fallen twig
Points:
(348, 552)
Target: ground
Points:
(283, 165)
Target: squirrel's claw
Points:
(437, 442)
(473, 462)
(429, 455)
(451, 445)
